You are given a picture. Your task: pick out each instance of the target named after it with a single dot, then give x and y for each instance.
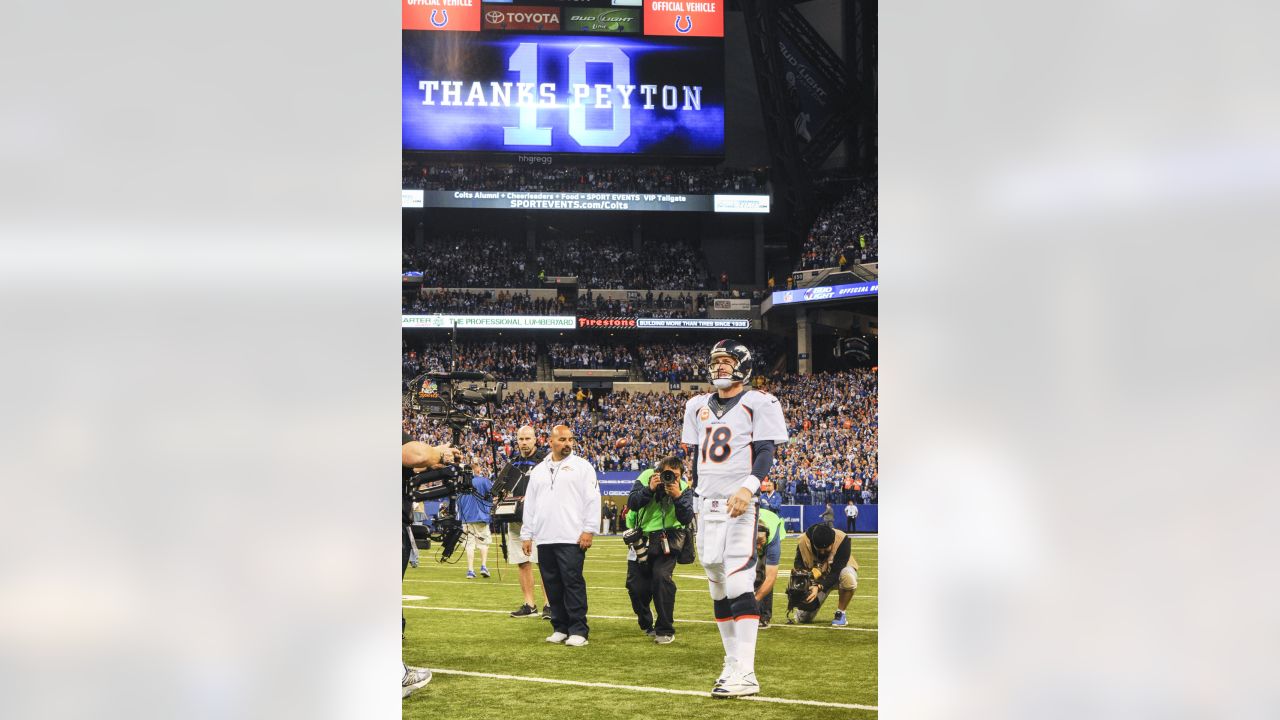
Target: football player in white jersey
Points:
(733, 431)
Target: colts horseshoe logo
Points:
(445, 15)
(688, 24)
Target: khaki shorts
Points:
(477, 534)
(515, 548)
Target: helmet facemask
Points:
(741, 364)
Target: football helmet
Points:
(742, 363)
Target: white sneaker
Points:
(414, 678)
(575, 641)
(556, 637)
(726, 671)
(737, 685)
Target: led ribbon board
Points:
(826, 292)
(522, 92)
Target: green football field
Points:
(460, 629)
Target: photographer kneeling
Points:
(660, 511)
(823, 561)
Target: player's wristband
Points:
(751, 483)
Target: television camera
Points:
(457, 399)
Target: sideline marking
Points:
(505, 584)
(632, 618)
(642, 688)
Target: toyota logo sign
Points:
(524, 17)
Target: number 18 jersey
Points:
(724, 440)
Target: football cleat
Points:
(726, 671)
(737, 685)
(414, 678)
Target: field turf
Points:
(461, 625)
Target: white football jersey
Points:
(724, 441)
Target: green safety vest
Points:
(651, 519)
(771, 520)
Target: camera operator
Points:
(474, 512)
(824, 554)
(415, 455)
(512, 484)
(661, 509)
(770, 530)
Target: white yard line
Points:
(486, 583)
(632, 618)
(643, 688)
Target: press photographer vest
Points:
(770, 519)
(805, 548)
(657, 515)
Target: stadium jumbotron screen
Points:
(563, 93)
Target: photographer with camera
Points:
(660, 511)
(770, 530)
(823, 562)
(415, 455)
(562, 514)
(509, 492)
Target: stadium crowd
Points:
(832, 455)
(428, 300)
(683, 305)
(668, 362)
(426, 175)
(598, 422)
(846, 232)
(431, 300)
(506, 360)
(482, 261)
(591, 357)
(471, 260)
(660, 265)
(687, 362)
(834, 421)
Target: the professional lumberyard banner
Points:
(563, 93)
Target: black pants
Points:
(651, 581)
(848, 525)
(404, 562)
(766, 605)
(561, 567)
